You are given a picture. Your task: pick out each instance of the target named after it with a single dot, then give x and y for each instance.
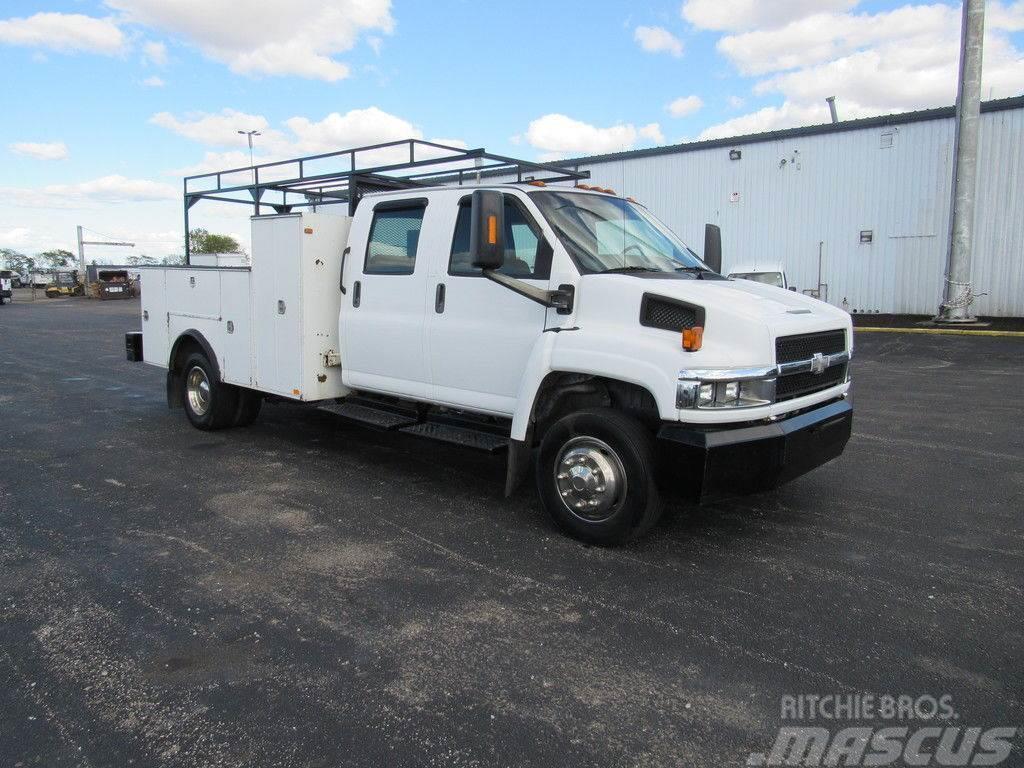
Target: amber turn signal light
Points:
(693, 338)
(492, 229)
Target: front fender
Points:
(594, 354)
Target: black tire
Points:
(249, 404)
(221, 400)
(611, 445)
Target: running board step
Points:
(470, 438)
(381, 418)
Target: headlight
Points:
(742, 388)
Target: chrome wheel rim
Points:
(197, 385)
(590, 478)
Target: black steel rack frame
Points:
(324, 179)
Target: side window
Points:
(526, 253)
(394, 236)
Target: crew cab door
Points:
(382, 318)
(481, 334)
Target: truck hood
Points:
(741, 318)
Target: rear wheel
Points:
(209, 403)
(595, 476)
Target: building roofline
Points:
(900, 118)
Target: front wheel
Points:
(209, 403)
(595, 476)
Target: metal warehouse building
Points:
(874, 193)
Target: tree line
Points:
(199, 240)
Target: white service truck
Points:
(556, 321)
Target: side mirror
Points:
(487, 229)
(713, 247)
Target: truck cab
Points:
(6, 281)
(563, 324)
(769, 273)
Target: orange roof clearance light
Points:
(693, 338)
(536, 183)
(584, 186)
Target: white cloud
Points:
(557, 135)
(86, 194)
(652, 131)
(874, 63)
(355, 128)
(301, 136)
(154, 82)
(768, 119)
(15, 237)
(823, 37)
(66, 32)
(267, 37)
(53, 150)
(219, 161)
(220, 129)
(155, 53)
(755, 14)
(658, 40)
(685, 105)
(115, 189)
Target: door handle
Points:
(356, 293)
(439, 299)
(341, 277)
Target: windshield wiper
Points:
(627, 269)
(697, 270)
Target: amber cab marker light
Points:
(584, 186)
(492, 229)
(693, 338)
(536, 183)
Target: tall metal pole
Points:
(958, 292)
(81, 256)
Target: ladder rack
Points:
(343, 177)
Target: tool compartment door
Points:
(277, 304)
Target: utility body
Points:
(560, 323)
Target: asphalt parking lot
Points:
(307, 592)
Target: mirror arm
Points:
(560, 299)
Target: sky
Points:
(108, 103)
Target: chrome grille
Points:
(789, 349)
(800, 384)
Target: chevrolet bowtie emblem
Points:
(818, 363)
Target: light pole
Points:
(957, 294)
(249, 135)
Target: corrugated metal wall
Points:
(785, 196)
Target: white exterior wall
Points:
(842, 183)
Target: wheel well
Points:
(187, 343)
(561, 393)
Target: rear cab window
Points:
(394, 237)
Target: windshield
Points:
(604, 233)
(768, 278)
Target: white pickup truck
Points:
(556, 321)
